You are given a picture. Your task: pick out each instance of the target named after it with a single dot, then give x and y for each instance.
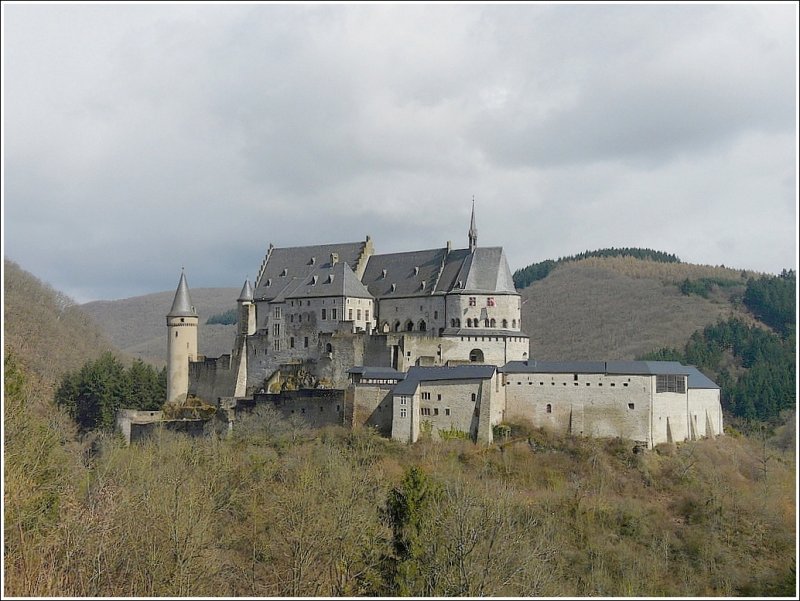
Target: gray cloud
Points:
(139, 138)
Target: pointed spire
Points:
(182, 305)
(247, 292)
(473, 231)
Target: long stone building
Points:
(420, 343)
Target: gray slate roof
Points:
(247, 292)
(416, 375)
(485, 270)
(648, 368)
(378, 373)
(400, 271)
(337, 280)
(182, 303)
(284, 264)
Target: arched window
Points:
(452, 323)
(505, 324)
(476, 355)
(329, 348)
(397, 326)
(409, 326)
(549, 408)
(469, 322)
(385, 327)
(422, 327)
(514, 323)
(485, 323)
(493, 322)
(458, 322)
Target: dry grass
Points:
(619, 308)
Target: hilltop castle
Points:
(416, 343)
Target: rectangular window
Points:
(291, 342)
(447, 410)
(436, 411)
(472, 301)
(277, 312)
(436, 315)
(438, 397)
(630, 405)
(305, 342)
(425, 411)
(490, 301)
(276, 345)
(324, 314)
(403, 400)
(426, 396)
(671, 383)
(291, 318)
(366, 315)
(276, 329)
(350, 315)
(403, 411)
(358, 314)
(333, 313)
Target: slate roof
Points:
(337, 280)
(283, 264)
(416, 375)
(247, 292)
(377, 373)
(484, 270)
(182, 303)
(400, 271)
(648, 368)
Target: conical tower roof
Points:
(247, 292)
(182, 305)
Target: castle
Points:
(417, 343)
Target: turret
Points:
(247, 311)
(181, 342)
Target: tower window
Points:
(549, 408)
(472, 301)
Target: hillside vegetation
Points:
(137, 325)
(623, 307)
(281, 510)
(47, 332)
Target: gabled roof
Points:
(698, 380)
(416, 375)
(337, 281)
(284, 264)
(182, 303)
(405, 271)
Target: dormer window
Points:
(394, 287)
(330, 279)
(313, 280)
(383, 273)
(460, 284)
(422, 287)
(269, 282)
(312, 261)
(284, 272)
(416, 271)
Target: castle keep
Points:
(426, 342)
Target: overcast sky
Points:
(142, 138)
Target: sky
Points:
(142, 138)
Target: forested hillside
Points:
(137, 325)
(47, 332)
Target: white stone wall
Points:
(705, 405)
(591, 405)
(505, 306)
(429, 309)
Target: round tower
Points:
(181, 342)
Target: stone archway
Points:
(476, 355)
